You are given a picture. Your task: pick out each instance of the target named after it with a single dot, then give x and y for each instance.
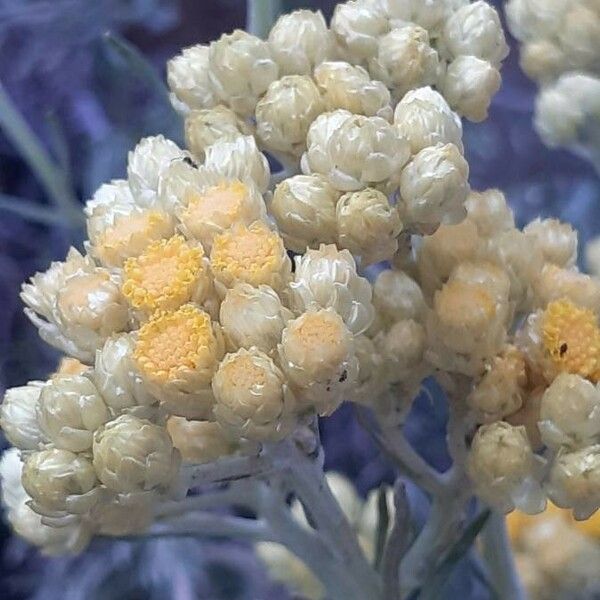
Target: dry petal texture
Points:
(300, 41)
(134, 455)
(354, 151)
(176, 354)
(188, 78)
(304, 208)
(18, 416)
(397, 297)
(253, 316)
(368, 225)
(317, 355)
(504, 468)
(285, 112)
(557, 241)
(199, 441)
(253, 254)
(327, 278)
(75, 305)
(241, 69)
(253, 400)
(70, 409)
(350, 87)
(166, 275)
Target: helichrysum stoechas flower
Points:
(134, 455)
(304, 208)
(570, 413)
(574, 481)
(60, 480)
(354, 151)
(176, 354)
(300, 41)
(423, 118)
(370, 361)
(69, 366)
(554, 283)
(350, 87)
(18, 416)
(469, 85)
(489, 211)
(397, 297)
(327, 278)
(434, 186)
(492, 276)
(117, 379)
(199, 441)
(504, 468)
(501, 390)
(317, 354)
(467, 325)
(571, 338)
(70, 409)
(253, 400)
(402, 347)
(285, 112)
(475, 30)
(166, 275)
(187, 75)
(357, 26)
(204, 127)
(75, 305)
(368, 225)
(252, 254)
(240, 159)
(146, 163)
(429, 14)
(216, 204)
(556, 240)
(241, 68)
(253, 316)
(113, 196)
(69, 538)
(405, 60)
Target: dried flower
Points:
(18, 416)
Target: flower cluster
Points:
(561, 51)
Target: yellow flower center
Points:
(165, 276)
(130, 234)
(243, 373)
(572, 338)
(225, 198)
(251, 254)
(464, 304)
(172, 343)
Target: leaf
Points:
(433, 588)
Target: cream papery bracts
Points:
(220, 309)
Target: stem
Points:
(499, 558)
(225, 469)
(49, 175)
(260, 15)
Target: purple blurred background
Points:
(88, 107)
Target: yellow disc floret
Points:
(166, 275)
(173, 346)
(571, 338)
(252, 254)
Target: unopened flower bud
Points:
(133, 455)
(489, 211)
(423, 118)
(253, 401)
(285, 112)
(205, 127)
(59, 480)
(187, 75)
(199, 441)
(253, 316)
(405, 60)
(317, 354)
(18, 416)
(300, 41)
(554, 283)
(350, 87)
(241, 69)
(469, 85)
(304, 208)
(70, 409)
(434, 186)
(368, 225)
(557, 241)
(397, 296)
(403, 347)
(327, 278)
